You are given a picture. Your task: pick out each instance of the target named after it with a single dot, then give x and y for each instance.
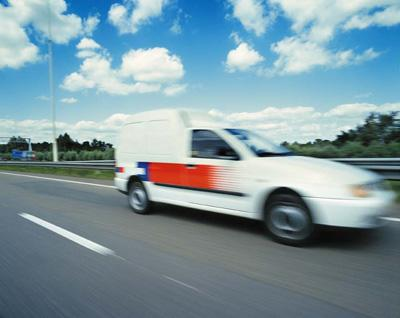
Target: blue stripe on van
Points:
(145, 175)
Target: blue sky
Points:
(293, 69)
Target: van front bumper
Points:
(355, 213)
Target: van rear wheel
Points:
(288, 220)
(138, 198)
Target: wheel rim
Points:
(138, 199)
(289, 221)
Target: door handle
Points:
(190, 166)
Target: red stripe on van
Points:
(197, 176)
(167, 173)
(200, 176)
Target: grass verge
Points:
(395, 185)
(70, 172)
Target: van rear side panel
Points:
(149, 137)
(131, 139)
(147, 140)
(159, 138)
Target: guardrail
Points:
(92, 164)
(388, 167)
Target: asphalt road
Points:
(177, 262)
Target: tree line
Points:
(68, 148)
(64, 142)
(377, 136)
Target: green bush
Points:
(109, 154)
(393, 149)
(44, 156)
(376, 150)
(326, 152)
(86, 155)
(5, 156)
(70, 156)
(39, 156)
(98, 155)
(351, 149)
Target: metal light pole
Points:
(51, 85)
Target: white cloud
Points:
(64, 27)
(181, 17)
(69, 100)
(316, 23)
(41, 130)
(351, 110)
(141, 71)
(87, 48)
(76, 82)
(296, 55)
(299, 123)
(87, 44)
(116, 120)
(236, 38)
(175, 89)
(176, 27)
(348, 57)
(15, 48)
(152, 65)
(83, 54)
(357, 109)
(272, 113)
(251, 14)
(18, 19)
(319, 20)
(132, 14)
(96, 72)
(90, 25)
(242, 58)
(387, 17)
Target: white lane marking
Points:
(181, 283)
(69, 235)
(391, 219)
(59, 180)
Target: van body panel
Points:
(157, 148)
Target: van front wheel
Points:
(138, 198)
(288, 220)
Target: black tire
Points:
(138, 198)
(288, 220)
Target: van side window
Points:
(207, 144)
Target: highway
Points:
(73, 249)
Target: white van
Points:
(187, 158)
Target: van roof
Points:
(189, 117)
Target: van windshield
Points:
(259, 145)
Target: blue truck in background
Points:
(22, 155)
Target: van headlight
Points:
(360, 191)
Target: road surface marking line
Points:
(59, 180)
(69, 235)
(181, 283)
(391, 219)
